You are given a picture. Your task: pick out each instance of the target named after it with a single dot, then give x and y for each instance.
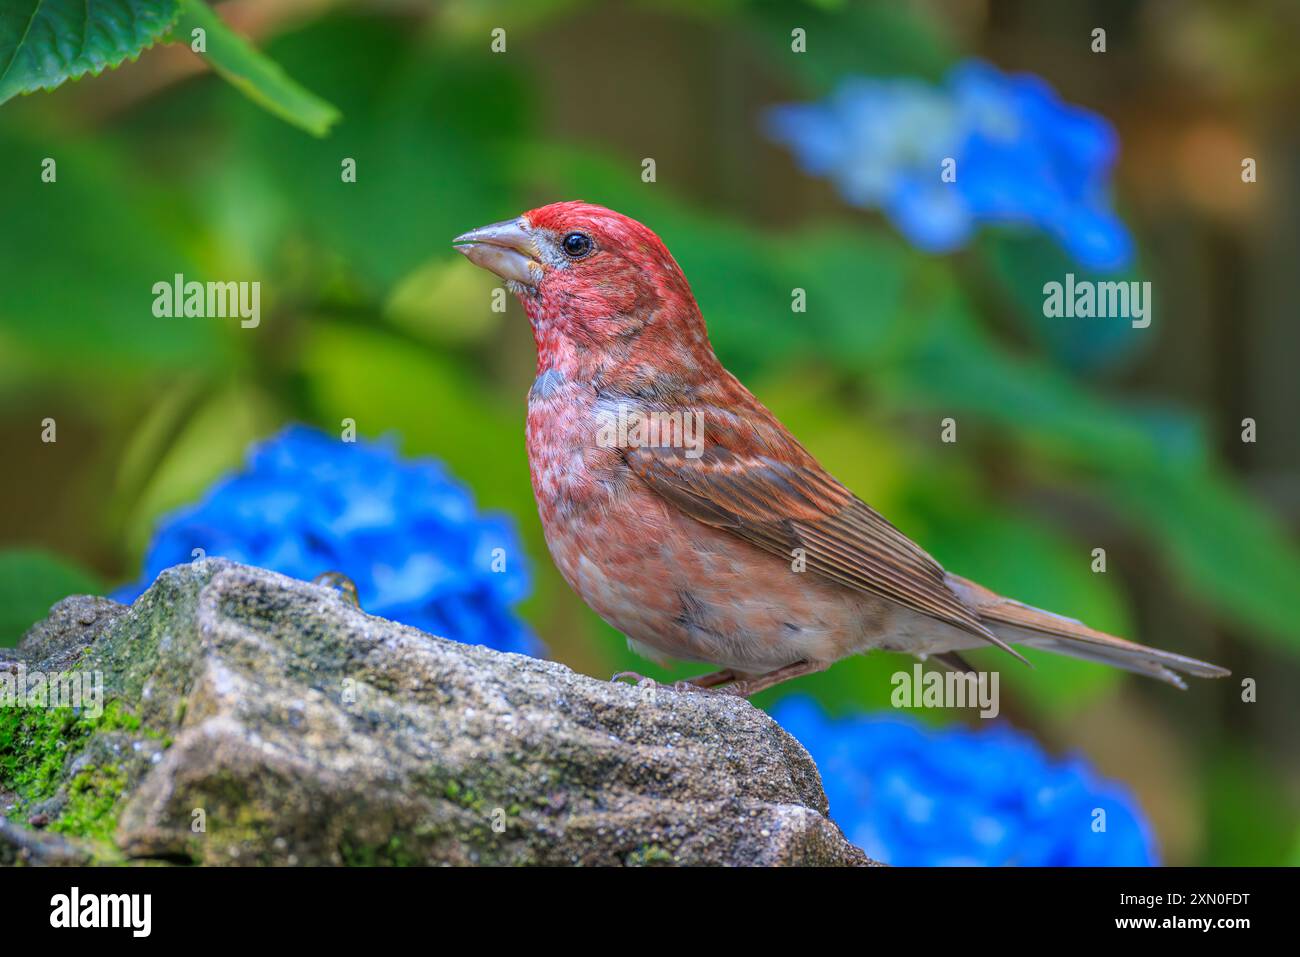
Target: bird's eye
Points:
(576, 245)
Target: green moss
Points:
(650, 855)
(36, 743)
(466, 797)
(391, 854)
(91, 810)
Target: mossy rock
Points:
(255, 719)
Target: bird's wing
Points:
(787, 503)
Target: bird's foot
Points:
(690, 687)
(637, 679)
(700, 683)
(704, 683)
(711, 680)
(744, 687)
(727, 682)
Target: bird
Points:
(685, 514)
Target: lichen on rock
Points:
(256, 719)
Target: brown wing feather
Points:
(780, 507)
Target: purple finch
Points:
(685, 513)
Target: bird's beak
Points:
(503, 248)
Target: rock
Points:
(256, 719)
(58, 641)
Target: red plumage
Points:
(728, 544)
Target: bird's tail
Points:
(1013, 621)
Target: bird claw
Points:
(637, 679)
(681, 687)
(689, 687)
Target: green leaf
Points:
(43, 43)
(256, 76)
(30, 582)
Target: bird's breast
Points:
(662, 578)
(572, 470)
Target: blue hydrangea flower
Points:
(911, 796)
(405, 532)
(1023, 156)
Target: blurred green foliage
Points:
(367, 315)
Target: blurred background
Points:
(1073, 434)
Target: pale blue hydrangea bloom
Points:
(1023, 156)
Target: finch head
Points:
(591, 279)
